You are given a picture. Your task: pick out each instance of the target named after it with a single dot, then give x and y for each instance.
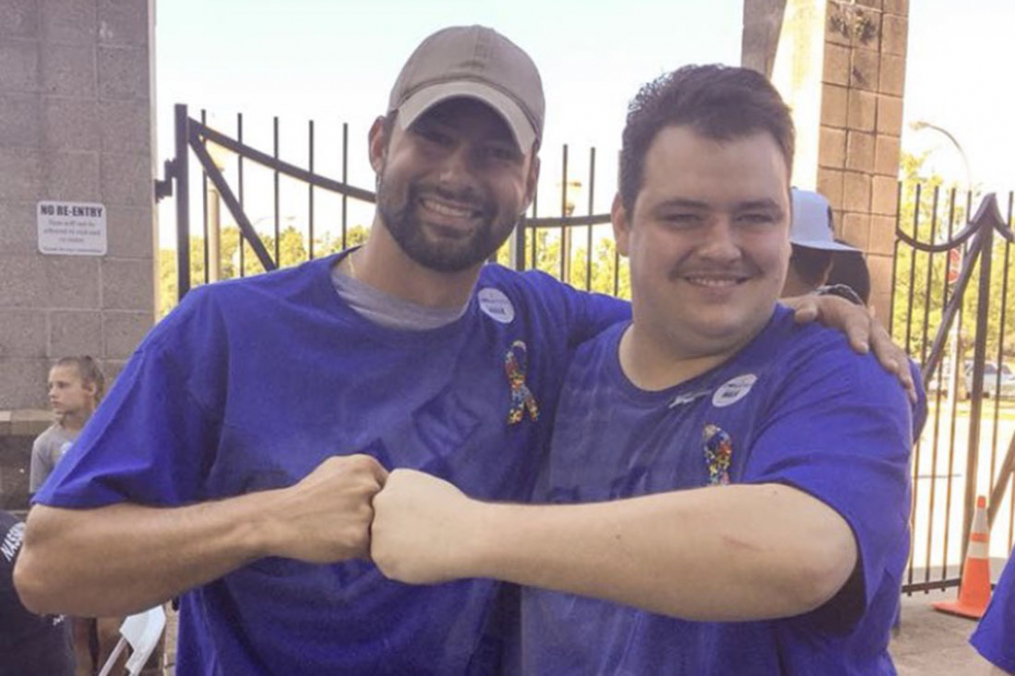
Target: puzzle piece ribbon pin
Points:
(522, 399)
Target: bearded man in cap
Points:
(238, 472)
(242, 445)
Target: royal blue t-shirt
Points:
(994, 638)
(796, 406)
(250, 384)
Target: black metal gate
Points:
(938, 310)
(194, 136)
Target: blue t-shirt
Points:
(797, 407)
(994, 638)
(250, 384)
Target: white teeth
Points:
(447, 209)
(712, 281)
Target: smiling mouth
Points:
(451, 210)
(714, 282)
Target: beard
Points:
(399, 209)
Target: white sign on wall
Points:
(72, 228)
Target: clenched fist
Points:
(423, 529)
(326, 517)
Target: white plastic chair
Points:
(142, 632)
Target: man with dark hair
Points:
(244, 442)
(733, 488)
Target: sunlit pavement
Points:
(930, 643)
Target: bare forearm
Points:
(736, 553)
(122, 558)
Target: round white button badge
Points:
(496, 305)
(733, 390)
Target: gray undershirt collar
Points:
(387, 310)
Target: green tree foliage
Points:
(292, 251)
(546, 247)
(920, 290)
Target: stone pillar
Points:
(76, 125)
(841, 66)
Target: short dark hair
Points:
(811, 265)
(850, 268)
(719, 102)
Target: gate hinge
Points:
(164, 186)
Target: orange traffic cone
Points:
(974, 592)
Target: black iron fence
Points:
(576, 248)
(950, 307)
(952, 311)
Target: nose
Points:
(457, 171)
(720, 242)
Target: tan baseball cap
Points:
(474, 62)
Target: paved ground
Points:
(929, 643)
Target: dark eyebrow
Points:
(759, 204)
(682, 203)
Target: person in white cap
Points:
(242, 445)
(812, 234)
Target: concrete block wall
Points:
(849, 151)
(863, 84)
(76, 124)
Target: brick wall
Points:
(863, 82)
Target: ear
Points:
(621, 225)
(377, 144)
(532, 180)
(90, 387)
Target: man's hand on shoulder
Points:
(863, 332)
(326, 517)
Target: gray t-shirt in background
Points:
(47, 450)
